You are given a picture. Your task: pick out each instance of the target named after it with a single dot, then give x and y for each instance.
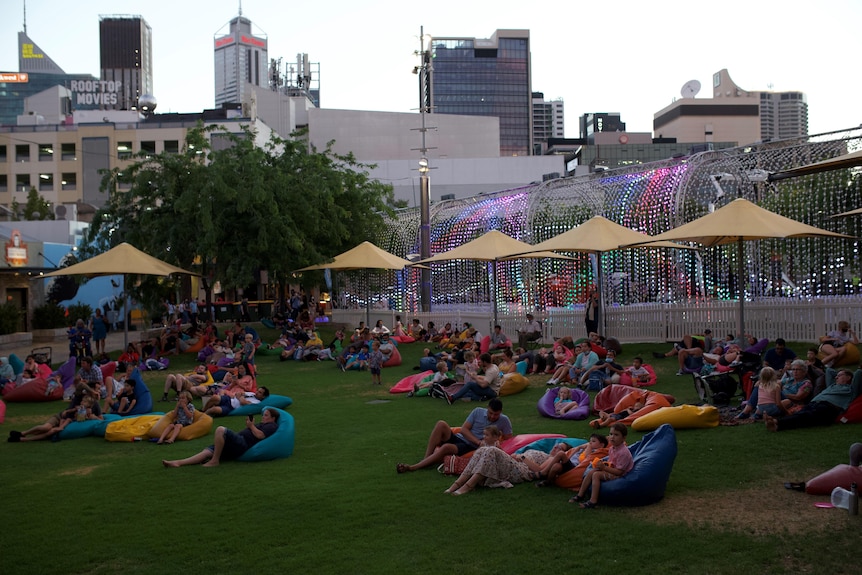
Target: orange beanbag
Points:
(573, 478)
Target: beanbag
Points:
(394, 359)
(853, 413)
(2, 411)
(108, 369)
(278, 445)
(403, 338)
(521, 366)
(267, 322)
(653, 456)
(546, 404)
(33, 390)
(153, 364)
(607, 399)
(407, 383)
(839, 476)
(599, 350)
(89, 428)
(277, 401)
(513, 383)
(573, 478)
(515, 443)
(679, 417)
(201, 425)
(67, 373)
(485, 344)
(626, 378)
(196, 346)
(546, 444)
(428, 363)
(127, 429)
(264, 350)
(145, 398)
(16, 363)
(851, 355)
(652, 402)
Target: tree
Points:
(36, 208)
(241, 208)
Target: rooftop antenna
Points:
(240, 7)
(25, 17)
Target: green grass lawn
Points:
(337, 505)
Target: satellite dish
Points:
(690, 89)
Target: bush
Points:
(10, 318)
(79, 311)
(49, 316)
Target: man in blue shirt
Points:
(778, 356)
(842, 388)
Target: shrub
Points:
(79, 311)
(10, 317)
(49, 316)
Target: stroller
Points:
(719, 388)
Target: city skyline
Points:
(631, 57)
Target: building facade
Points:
(548, 122)
(487, 77)
(126, 62)
(241, 61)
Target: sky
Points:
(624, 56)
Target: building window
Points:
(172, 147)
(67, 151)
(124, 150)
(46, 152)
(69, 181)
(3, 154)
(149, 148)
(22, 153)
(4, 183)
(22, 183)
(46, 182)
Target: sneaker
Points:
(449, 398)
(409, 394)
(680, 372)
(164, 398)
(341, 365)
(551, 381)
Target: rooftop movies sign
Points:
(96, 92)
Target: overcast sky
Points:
(625, 56)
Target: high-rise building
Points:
(487, 77)
(547, 122)
(126, 56)
(591, 124)
(783, 115)
(240, 60)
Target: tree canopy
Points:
(236, 207)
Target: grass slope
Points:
(337, 505)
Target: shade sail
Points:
(493, 245)
(844, 161)
(598, 235)
(120, 260)
(364, 256)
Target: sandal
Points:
(795, 486)
(576, 499)
(588, 505)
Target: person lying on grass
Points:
(443, 441)
(564, 458)
(51, 428)
(224, 404)
(619, 462)
(231, 445)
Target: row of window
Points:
(23, 183)
(46, 152)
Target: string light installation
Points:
(649, 198)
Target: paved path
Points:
(60, 349)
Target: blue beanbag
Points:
(144, 404)
(548, 443)
(279, 401)
(546, 404)
(89, 428)
(277, 445)
(16, 363)
(428, 363)
(654, 455)
(521, 366)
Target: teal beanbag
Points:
(277, 445)
(16, 363)
(278, 401)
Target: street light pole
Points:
(424, 70)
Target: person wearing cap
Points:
(531, 331)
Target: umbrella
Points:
(598, 235)
(364, 256)
(855, 212)
(121, 260)
(739, 221)
(836, 163)
(493, 246)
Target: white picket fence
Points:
(792, 319)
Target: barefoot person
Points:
(444, 442)
(231, 445)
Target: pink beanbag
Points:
(839, 476)
(407, 383)
(485, 344)
(394, 359)
(2, 411)
(404, 338)
(626, 378)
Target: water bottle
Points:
(854, 500)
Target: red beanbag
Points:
(394, 359)
(34, 391)
(839, 476)
(406, 384)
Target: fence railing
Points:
(792, 319)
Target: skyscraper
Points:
(548, 122)
(126, 56)
(240, 60)
(487, 77)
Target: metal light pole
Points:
(424, 70)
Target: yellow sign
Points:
(27, 52)
(14, 77)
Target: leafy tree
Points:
(238, 208)
(36, 208)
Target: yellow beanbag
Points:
(851, 355)
(201, 426)
(130, 428)
(679, 417)
(513, 383)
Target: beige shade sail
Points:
(844, 161)
(488, 247)
(741, 220)
(855, 212)
(364, 256)
(120, 260)
(598, 235)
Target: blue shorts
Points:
(462, 444)
(225, 405)
(375, 370)
(234, 445)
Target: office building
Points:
(783, 115)
(548, 122)
(126, 57)
(240, 61)
(487, 77)
(601, 122)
